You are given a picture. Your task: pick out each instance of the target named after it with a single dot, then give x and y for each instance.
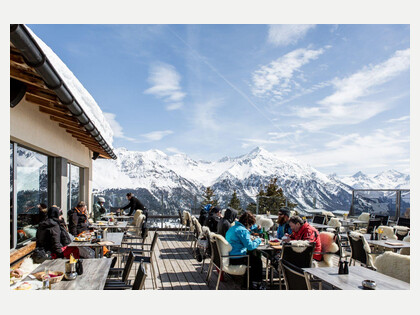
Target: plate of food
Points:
(27, 285)
(274, 242)
(80, 239)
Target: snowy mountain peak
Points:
(360, 174)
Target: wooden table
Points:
(382, 243)
(116, 238)
(95, 272)
(320, 226)
(353, 280)
(119, 217)
(116, 225)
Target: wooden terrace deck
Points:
(176, 269)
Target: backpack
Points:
(40, 255)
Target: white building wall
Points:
(35, 130)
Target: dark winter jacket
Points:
(51, 235)
(78, 222)
(135, 204)
(203, 216)
(225, 223)
(213, 220)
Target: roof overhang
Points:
(46, 89)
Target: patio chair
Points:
(335, 225)
(319, 219)
(203, 244)
(372, 225)
(150, 258)
(123, 273)
(137, 229)
(384, 218)
(388, 232)
(394, 265)
(220, 259)
(298, 253)
(138, 283)
(405, 250)
(197, 229)
(295, 278)
(360, 250)
(329, 247)
(403, 222)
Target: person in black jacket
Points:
(42, 212)
(213, 219)
(52, 234)
(78, 219)
(135, 204)
(204, 213)
(225, 223)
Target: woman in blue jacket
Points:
(239, 237)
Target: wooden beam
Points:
(19, 253)
(47, 104)
(71, 123)
(56, 113)
(43, 94)
(78, 132)
(24, 77)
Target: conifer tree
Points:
(252, 207)
(209, 197)
(271, 198)
(234, 202)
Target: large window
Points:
(73, 185)
(12, 237)
(31, 189)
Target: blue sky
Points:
(335, 96)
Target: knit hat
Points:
(285, 211)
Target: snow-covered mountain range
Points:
(179, 181)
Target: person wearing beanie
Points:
(282, 220)
(224, 224)
(213, 219)
(98, 209)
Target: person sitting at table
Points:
(213, 219)
(226, 222)
(78, 219)
(52, 235)
(301, 230)
(239, 237)
(42, 212)
(283, 222)
(98, 209)
(204, 213)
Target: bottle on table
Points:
(46, 284)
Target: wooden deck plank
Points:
(185, 261)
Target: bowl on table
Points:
(369, 284)
(55, 276)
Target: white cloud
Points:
(361, 152)
(275, 79)
(345, 105)
(403, 118)
(165, 83)
(285, 34)
(156, 135)
(174, 150)
(116, 127)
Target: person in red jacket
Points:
(301, 230)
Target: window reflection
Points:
(31, 187)
(73, 186)
(11, 197)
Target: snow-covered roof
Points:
(82, 96)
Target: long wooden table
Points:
(95, 272)
(115, 238)
(105, 225)
(353, 280)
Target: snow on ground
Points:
(85, 100)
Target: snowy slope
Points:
(390, 179)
